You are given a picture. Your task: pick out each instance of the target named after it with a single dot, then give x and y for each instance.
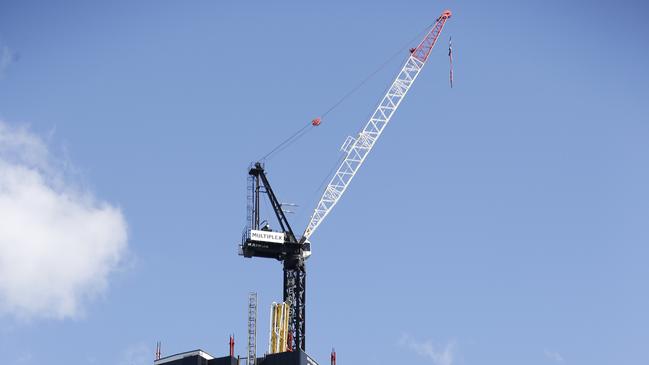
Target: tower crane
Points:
(259, 240)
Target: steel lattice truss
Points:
(358, 148)
(252, 329)
(295, 296)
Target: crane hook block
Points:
(315, 122)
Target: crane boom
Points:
(358, 148)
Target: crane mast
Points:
(358, 148)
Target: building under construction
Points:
(200, 357)
(287, 332)
(278, 351)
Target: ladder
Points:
(252, 328)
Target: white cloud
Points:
(25, 358)
(138, 354)
(58, 243)
(438, 355)
(554, 356)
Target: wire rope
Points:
(305, 129)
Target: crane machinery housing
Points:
(259, 240)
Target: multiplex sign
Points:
(267, 236)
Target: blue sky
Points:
(503, 221)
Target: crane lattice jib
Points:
(358, 148)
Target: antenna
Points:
(158, 350)
(290, 205)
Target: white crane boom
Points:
(358, 148)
